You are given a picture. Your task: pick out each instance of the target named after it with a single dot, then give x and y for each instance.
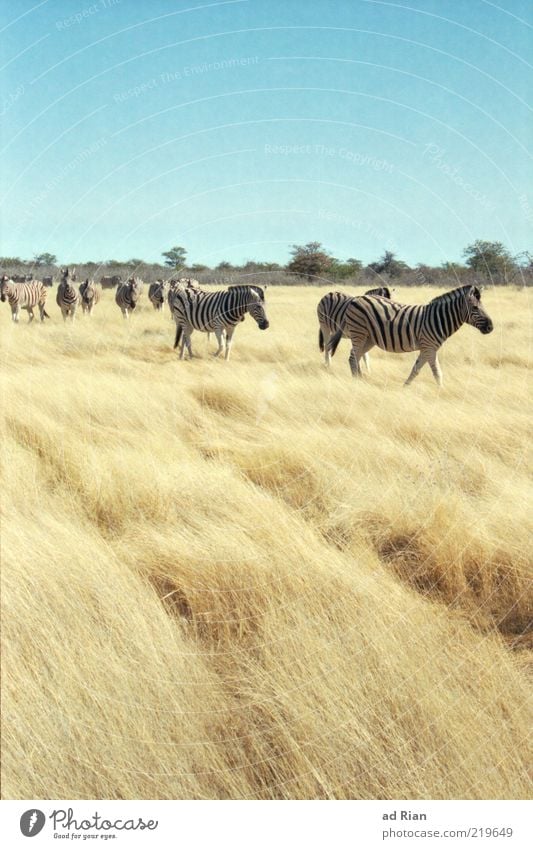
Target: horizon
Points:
(239, 128)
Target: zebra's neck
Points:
(445, 315)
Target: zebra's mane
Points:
(454, 294)
(245, 287)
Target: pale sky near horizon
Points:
(238, 128)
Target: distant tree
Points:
(44, 259)
(197, 268)
(134, 263)
(113, 263)
(490, 259)
(355, 264)
(224, 266)
(310, 260)
(389, 265)
(175, 257)
(9, 261)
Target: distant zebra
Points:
(180, 283)
(331, 310)
(48, 281)
(369, 321)
(128, 294)
(156, 294)
(67, 298)
(22, 278)
(24, 296)
(90, 293)
(216, 311)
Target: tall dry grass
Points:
(256, 579)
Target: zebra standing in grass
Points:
(67, 297)
(24, 296)
(178, 284)
(156, 294)
(331, 310)
(128, 294)
(370, 320)
(216, 311)
(90, 293)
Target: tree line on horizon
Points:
(484, 261)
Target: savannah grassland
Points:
(256, 579)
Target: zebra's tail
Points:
(321, 340)
(179, 331)
(334, 342)
(45, 314)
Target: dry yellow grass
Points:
(258, 579)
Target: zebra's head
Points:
(381, 292)
(256, 306)
(476, 315)
(5, 286)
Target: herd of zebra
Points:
(374, 318)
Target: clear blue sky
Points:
(238, 128)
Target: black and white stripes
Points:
(67, 297)
(219, 312)
(24, 296)
(128, 294)
(370, 320)
(331, 311)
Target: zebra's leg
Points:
(30, 315)
(435, 367)
(422, 360)
(15, 312)
(229, 338)
(325, 339)
(219, 333)
(353, 359)
(366, 360)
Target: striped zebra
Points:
(67, 297)
(219, 312)
(24, 296)
(156, 294)
(90, 293)
(177, 284)
(128, 294)
(331, 310)
(370, 320)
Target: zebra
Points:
(370, 320)
(221, 311)
(179, 283)
(24, 296)
(22, 278)
(156, 294)
(90, 293)
(331, 310)
(67, 298)
(128, 294)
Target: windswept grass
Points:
(256, 579)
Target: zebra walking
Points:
(370, 320)
(24, 296)
(90, 293)
(67, 298)
(331, 311)
(128, 294)
(156, 294)
(219, 312)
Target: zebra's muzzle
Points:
(263, 325)
(2, 297)
(487, 328)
